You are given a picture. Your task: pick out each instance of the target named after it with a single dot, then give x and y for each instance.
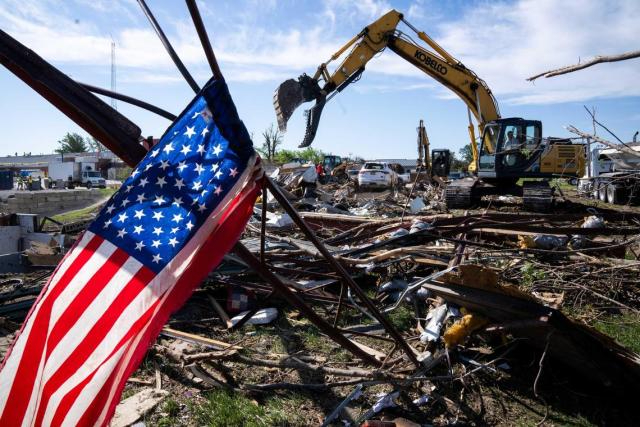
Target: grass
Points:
(624, 329)
(531, 274)
(402, 318)
(224, 408)
(84, 213)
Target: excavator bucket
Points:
(293, 93)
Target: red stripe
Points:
(73, 312)
(95, 336)
(25, 376)
(92, 413)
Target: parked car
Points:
(401, 172)
(377, 175)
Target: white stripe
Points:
(82, 403)
(7, 375)
(79, 281)
(33, 399)
(243, 187)
(81, 328)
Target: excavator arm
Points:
(373, 39)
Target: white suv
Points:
(377, 174)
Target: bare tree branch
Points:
(597, 60)
(609, 144)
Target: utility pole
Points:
(113, 73)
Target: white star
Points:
(121, 233)
(198, 168)
(122, 217)
(195, 115)
(139, 214)
(181, 166)
(157, 258)
(177, 201)
(174, 230)
(217, 150)
(163, 164)
(155, 244)
(161, 182)
(173, 242)
(140, 245)
(233, 172)
(158, 215)
(168, 148)
(194, 201)
(134, 173)
(140, 198)
(129, 187)
(218, 174)
(125, 202)
(202, 207)
(218, 190)
(110, 209)
(200, 149)
(214, 167)
(197, 185)
(138, 229)
(177, 218)
(189, 225)
(149, 166)
(179, 183)
(203, 192)
(159, 200)
(157, 231)
(144, 181)
(186, 149)
(190, 131)
(204, 131)
(107, 223)
(155, 152)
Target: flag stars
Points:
(204, 132)
(157, 258)
(190, 131)
(157, 231)
(177, 201)
(218, 174)
(218, 190)
(182, 166)
(135, 173)
(198, 168)
(155, 244)
(177, 218)
(233, 172)
(121, 233)
(186, 149)
(128, 188)
(174, 230)
(173, 242)
(155, 152)
(189, 225)
(203, 193)
(125, 202)
(122, 217)
(217, 150)
(149, 166)
(161, 182)
(197, 185)
(139, 214)
(200, 149)
(159, 200)
(158, 216)
(195, 115)
(110, 209)
(168, 148)
(202, 207)
(179, 183)
(163, 164)
(138, 229)
(140, 198)
(143, 182)
(140, 245)
(107, 223)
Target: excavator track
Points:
(537, 196)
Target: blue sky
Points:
(260, 43)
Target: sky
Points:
(260, 43)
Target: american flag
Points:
(183, 207)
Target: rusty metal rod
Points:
(167, 45)
(204, 39)
(295, 300)
(339, 268)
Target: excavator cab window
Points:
(488, 148)
(520, 146)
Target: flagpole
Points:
(165, 42)
(204, 39)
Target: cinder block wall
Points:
(49, 202)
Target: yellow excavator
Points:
(510, 148)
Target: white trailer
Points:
(77, 171)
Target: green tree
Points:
(94, 144)
(466, 154)
(72, 143)
(272, 138)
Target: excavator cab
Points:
(511, 148)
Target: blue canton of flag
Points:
(178, 184)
